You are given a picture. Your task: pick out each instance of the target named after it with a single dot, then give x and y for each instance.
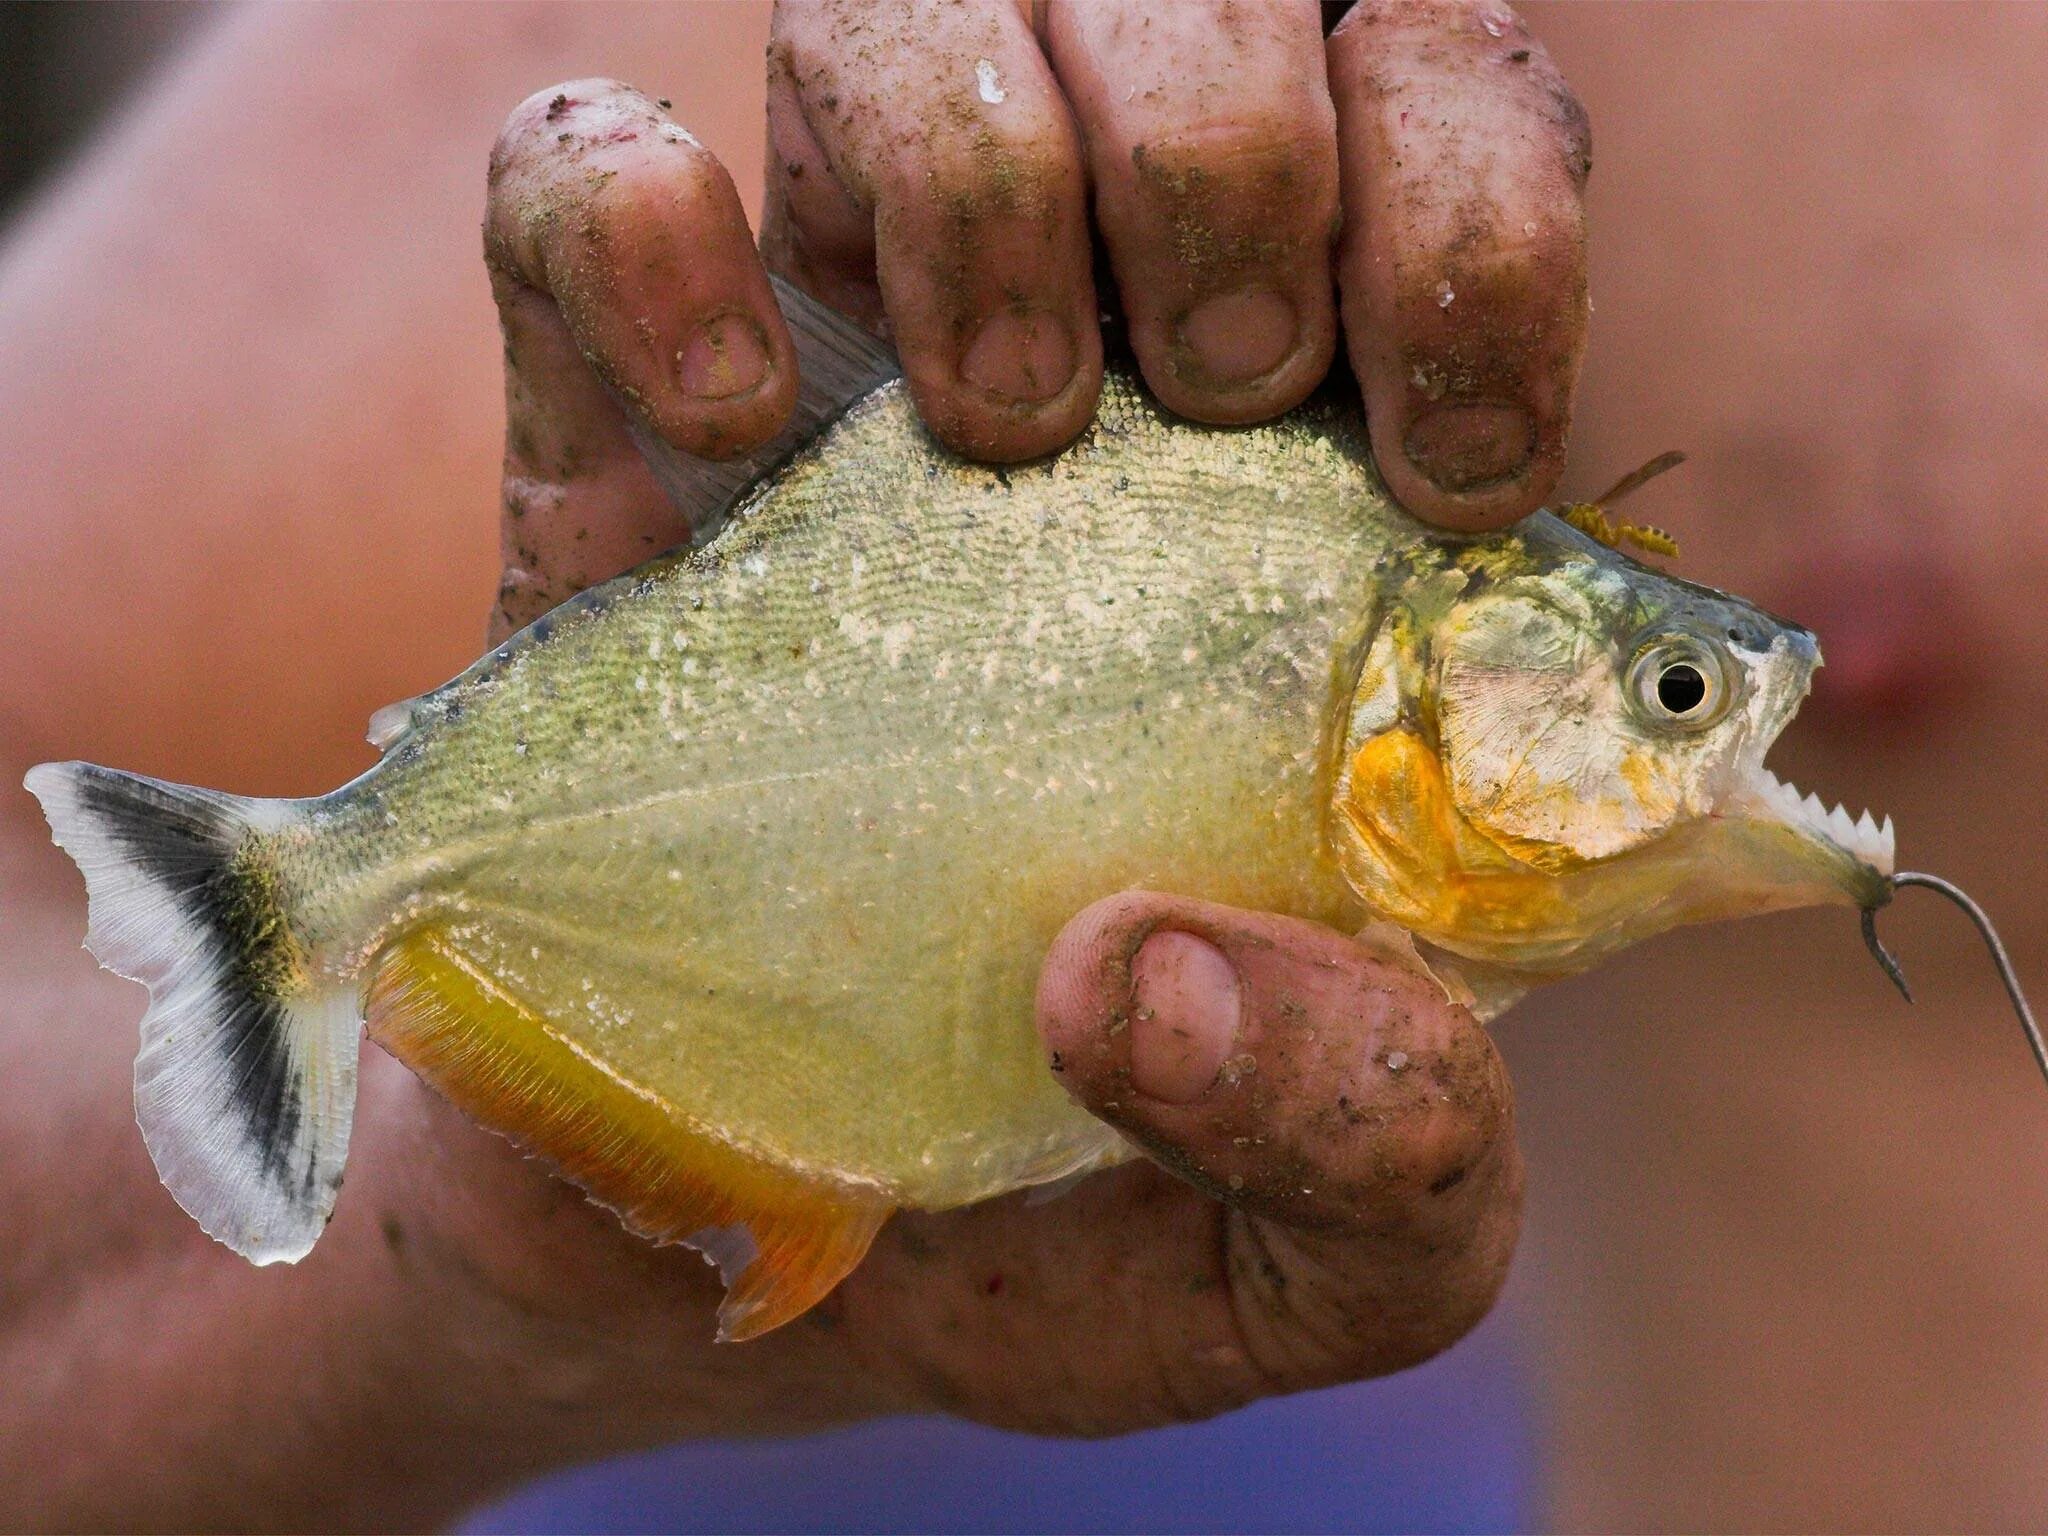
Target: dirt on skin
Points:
(1422, 1108)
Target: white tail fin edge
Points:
(245, 1083)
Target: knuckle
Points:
(632, 192)
(1491, 18)
(1018, 173)
(590, 169)
(1460, 1123)
(1406, 1142)
(1491, 306)
(1478, 273)
(1573, 128)
(1310, 1316)
(1321, 1305)
(1250, 154)
(1428, 1327)
(644, 222)
(1468, 50)
(1254, 193)
(798, 13)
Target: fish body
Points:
(781, 829)
(725, 887)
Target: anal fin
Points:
(781, 1240)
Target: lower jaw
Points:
(1542, 927)
(1413, 860)
(1768, 798)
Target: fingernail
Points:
(726, 356)
(1241, 336)
(1470, 447)
(1186, 1004)
(1020, 355)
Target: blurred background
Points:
(1781, 1267)
(67, 62)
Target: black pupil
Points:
(1680, 688)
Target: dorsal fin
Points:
(837, 363)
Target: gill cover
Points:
(1543, 745)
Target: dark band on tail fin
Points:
(245, 1081)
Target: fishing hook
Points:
(1999, 957)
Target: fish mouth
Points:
(1798, 832)
(1763, 796)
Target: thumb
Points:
(1359, 1124)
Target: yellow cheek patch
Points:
(1416, 861)
(1640, 774)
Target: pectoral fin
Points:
(780, 1239)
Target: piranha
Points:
(723, 888)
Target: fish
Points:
(723, 888)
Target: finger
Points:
(625, 281)
(634, 229)
(580, 504)
(812, 231)
(942, 126)
(1213, 150)
(1463, 262)
(1274, 1063)
(1358, 1126)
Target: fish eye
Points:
(1680, 688)
(1679, 681)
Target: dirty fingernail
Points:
(1025, 355)
(1186, 1004)
(1470, 447)
(1237, 337)
(725, 356)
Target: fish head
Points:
(1564, 754)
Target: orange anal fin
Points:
(781, 1240)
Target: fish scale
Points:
(871, 728)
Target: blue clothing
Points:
(1445, 1447)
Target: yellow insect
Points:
(1591, 519)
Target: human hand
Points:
(1334, 1193)
(929, 173)
(1348, 1204)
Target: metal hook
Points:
(1999, 957)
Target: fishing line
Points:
(1999, 957)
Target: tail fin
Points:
(245, 1085)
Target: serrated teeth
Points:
(1863, 836)
(1842, 828)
